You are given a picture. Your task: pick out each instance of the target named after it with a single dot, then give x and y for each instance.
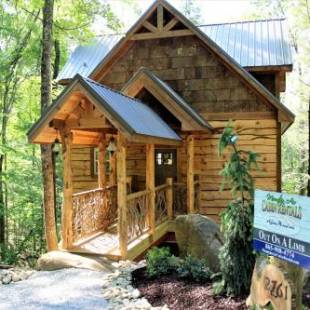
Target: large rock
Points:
(200, 237)
(58, 260)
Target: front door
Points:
(165, 165)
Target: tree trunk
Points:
(46, 150)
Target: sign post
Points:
(282, 231)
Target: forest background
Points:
(76, 22)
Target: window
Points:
(94, 161)
(164, 158)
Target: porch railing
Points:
(93, 211)
(161, 208)
(137, 212)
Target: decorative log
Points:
(190, 175)
(67, 138)
(122, 195)
(169, 197)
(101, 162)
(150, 184)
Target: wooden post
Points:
(122, 195)
(67, 211)
(101, 162)
(150, 184)
(112, 179)
(190, 175)
(169, 197)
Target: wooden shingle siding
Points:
(194, 72)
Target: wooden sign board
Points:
(270, 286)
(282, 226)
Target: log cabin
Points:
(139, 121)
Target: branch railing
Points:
(161, 208)
(93, 211)
(137, 212)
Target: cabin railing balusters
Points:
(93, 211)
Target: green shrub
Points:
(237, 258)
(193, 269)
(159, 261)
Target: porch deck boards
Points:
(100, 244)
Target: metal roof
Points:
(85, 58)
(253, 43)
(172, 94)
(133, 115)
(250, 43)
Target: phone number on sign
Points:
(280, 251)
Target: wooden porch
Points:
(114, 222)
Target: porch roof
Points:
(125, 113)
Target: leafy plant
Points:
(236, 255)
(194, 269)
(159, 261)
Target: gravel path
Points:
(58, 290)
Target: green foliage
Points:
(194, 269)
(159, 261)
(236, 255)
(20, 56)
(236, 172)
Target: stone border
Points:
(119, 292)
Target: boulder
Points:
(200, 237)
(58, 260)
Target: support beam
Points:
(190, 175)
(122, 195)
(101, 162)
(160, 18)
(67, 212)
(112, 178)
(169, 197)
(150, 184)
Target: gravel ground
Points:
(62, 289)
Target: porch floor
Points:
(107, 244)
(100, 244)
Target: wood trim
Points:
(149, 26)
(269, 69)
(162, 34)
(171, 24)
(239, 115)
(153, 140)
(122, 195)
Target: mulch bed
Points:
(179, 295)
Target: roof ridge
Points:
(244, 21)
(111, 89)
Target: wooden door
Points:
(165, 165)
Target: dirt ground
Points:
(181, 295)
